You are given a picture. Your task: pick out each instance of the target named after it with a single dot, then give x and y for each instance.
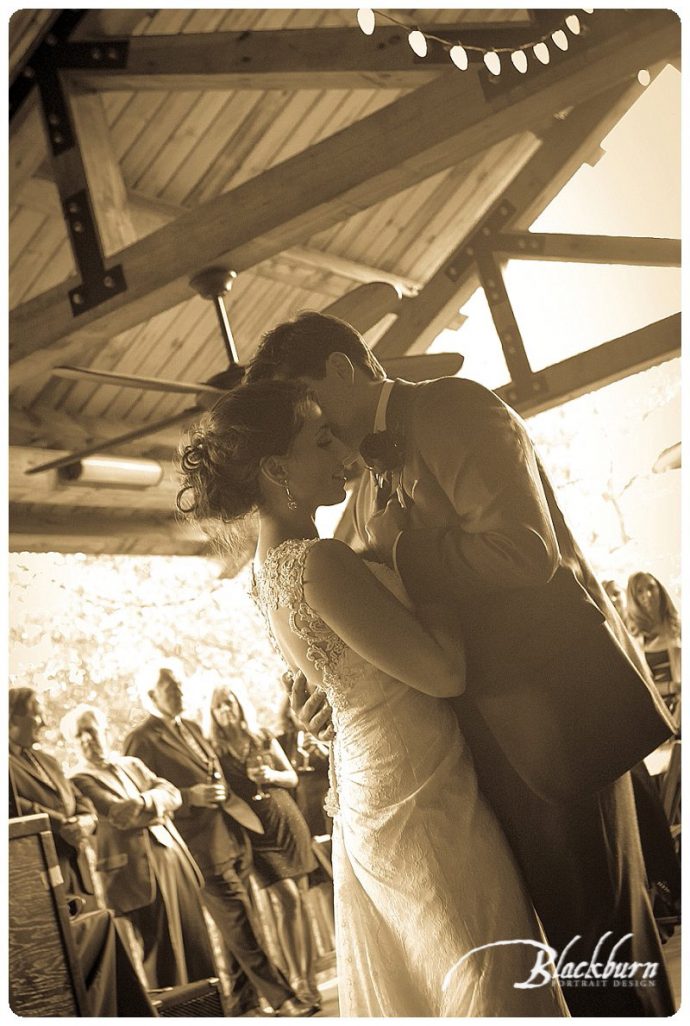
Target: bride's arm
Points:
(368, 618)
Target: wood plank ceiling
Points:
(159, 151)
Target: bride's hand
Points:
(384, 527)
(312, 710)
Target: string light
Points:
(459, 52)
(493, 62)
(367, 20)
(458, 55)
(643, 77)
(541, 52)
(519, 59)
(417, 41)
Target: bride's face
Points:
(315, 467)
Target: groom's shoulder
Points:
(459, 396)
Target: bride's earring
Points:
(291, 504)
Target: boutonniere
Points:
(383, 455)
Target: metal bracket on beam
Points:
(98, 282)
(525, 391)
(98, 54)
(487, 228)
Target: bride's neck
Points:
(275, 528)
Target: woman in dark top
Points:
(653, 618)
(257, 769)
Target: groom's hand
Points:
(384, 527)
(312, 711)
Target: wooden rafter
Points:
(323, 58)
(148, 213)
(599, 366)
(348, 170)
(101, 531)
(106, 185)
(329, 58)
(595, 249)
(507, 329)
(563, 148)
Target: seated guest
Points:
(654, 619)
(41, 786)
(283, 855)
(147, 870)
(210, 819)
(112, 984)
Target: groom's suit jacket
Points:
(551, 671)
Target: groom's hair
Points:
(301, 347)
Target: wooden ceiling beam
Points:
(312, 58)
(107, 188)
(149, 213)
(600, 366)
(318, 58)
(28, 147)
(426, 131)
(100, 532)
(564, 147)
(48, 490)
(592, 249)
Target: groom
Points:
(558, 704)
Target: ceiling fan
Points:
(363, 307)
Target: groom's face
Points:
(334, 393)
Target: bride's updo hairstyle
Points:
(220, 466)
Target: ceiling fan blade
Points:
(423, 366)
(133, 380)
(110, 443)
(366, 305)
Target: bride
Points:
(424, 882)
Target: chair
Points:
(45, 976)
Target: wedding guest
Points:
(211, 819)
(112, 984)
(256, 767)
(41, 786)
(617, 596)
(654, 619)
(147, 870)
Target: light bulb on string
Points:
(493, 62)
(417, 41)
(573, 23)
(519, 59)
(587, 10)
(560, 39)
(458, 55)
(367, 20)
(643, 77)
(541, 52)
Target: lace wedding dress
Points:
(422, 873)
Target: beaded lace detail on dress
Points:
(280, 584)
